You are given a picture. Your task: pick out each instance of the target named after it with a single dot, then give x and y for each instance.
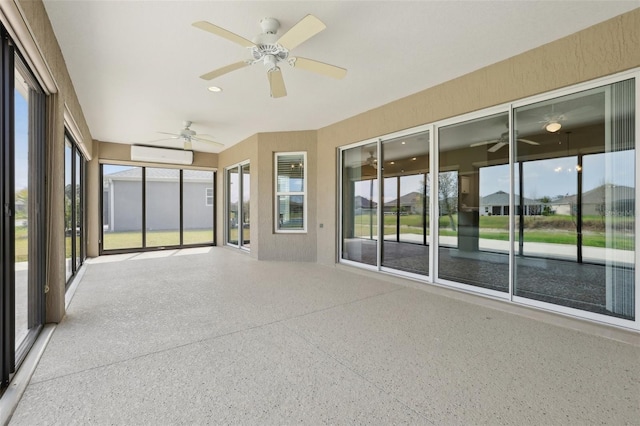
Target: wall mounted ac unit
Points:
(150, 154)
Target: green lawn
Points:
(125, 240)
(544, 229)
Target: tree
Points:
(448, 191)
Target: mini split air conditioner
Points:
(160, 155)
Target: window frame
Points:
(303, 193)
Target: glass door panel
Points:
(197, 206)
(360, 199)
(473, 203)
(579, 251)
(122, 207)
(23, 208)
(245, 223)
(162, 208)
(406, 163)
(233, 192)
(79, 210)
(68, 209)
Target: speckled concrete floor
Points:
(221, 338)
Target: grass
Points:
(539, 229)
(126, 240)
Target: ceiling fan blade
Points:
(497, 146)
(318, 67)
(301, 32)
(276, 83)
(221, 71)
(201, 139)
(529, 142)
(214, 29)
(173, 135)
(483, 143)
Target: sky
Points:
(22, 141)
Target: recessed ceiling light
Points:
(414, 159)
(392, 162)
(215, 89)
(404, 143)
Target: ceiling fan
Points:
(503, 140)
(271, 50)
(552, 122)
(188, 136)
(370, 161)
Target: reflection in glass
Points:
(233, 192)
(122, 207)
(359, 204)
(198, 205)
(162, 207)
(405, 209)
(246, 206)
(473, 206)
(579, 250)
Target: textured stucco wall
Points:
(280, 246)
(607, 48)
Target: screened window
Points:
(291, 189)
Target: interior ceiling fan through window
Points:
(503, 140)
(271, 50)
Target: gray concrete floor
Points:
(219, 337)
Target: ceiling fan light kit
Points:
(271, 50)
(553, 126)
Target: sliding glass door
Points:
(535, 202)
(74, 165)
(155, 208)
(238, 205)
(579, 252)
(22, 195)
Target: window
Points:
(208, 197)
(291, 189)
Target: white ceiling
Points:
(135, 65)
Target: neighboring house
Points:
(497, 204)
(411, 203)
(362, 204)
(605, 200)
(121, 194)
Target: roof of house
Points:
(405, 200)
(501, 198)
(153, 173)
(599, 194)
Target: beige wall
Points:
(259, 150)
(290, 247)
(604, 49)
